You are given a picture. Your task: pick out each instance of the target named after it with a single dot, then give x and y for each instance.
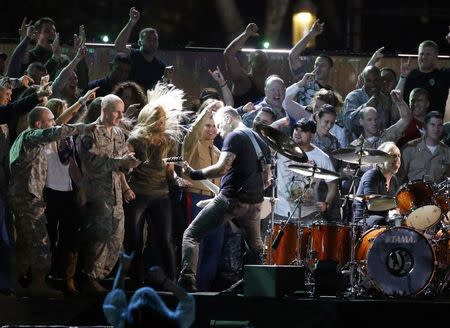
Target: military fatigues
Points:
(418, 161)
(103, 225)
(28, 164)
(392, 133)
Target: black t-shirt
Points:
(252, 95)
(244, 180)
(373, 182)
(436, 83)
(143, 72)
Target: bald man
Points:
(274, 91)
(373, 135)
(28, 165)
(102, 153)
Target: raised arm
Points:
(294, 54)
(15, 65)
(64, 75)
(226, 92)
(405, 69)
(405, 115)
(293, 108)
(67, 115)
(124, 35)
(377, 55)
(236, 45)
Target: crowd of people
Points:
(90, 168)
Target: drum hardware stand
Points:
(280, 234)
(352, 265)
(270, 229)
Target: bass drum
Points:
(398, 261)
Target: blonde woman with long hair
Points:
(155, 136)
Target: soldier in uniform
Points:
(102, 153)
(28, 164)
(427, 156)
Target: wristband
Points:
(402, 77)
(196, 175)
(223, 85)
(82, 101)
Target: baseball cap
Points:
(306, 125)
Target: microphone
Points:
(277, 239)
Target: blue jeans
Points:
(210, 251)
(5, 249)
(215, 214)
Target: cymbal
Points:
(367, 156)
(281, 143)
(310, 170)
(377, 203)
(380, 203)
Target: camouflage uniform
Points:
(103, 228)
(28, 164)
(392, 133)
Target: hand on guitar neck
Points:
(178, 160)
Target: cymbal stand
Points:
(280, 234)
(270, 229)
(352, 265)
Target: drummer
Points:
(380, 180)
(291, 185)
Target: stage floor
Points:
(224, 310)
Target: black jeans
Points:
(159, 248)
(63, 220)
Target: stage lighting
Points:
(301, 24)
(105, 38)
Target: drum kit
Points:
(408, 257)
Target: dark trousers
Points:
(63, 220)
(159, 248)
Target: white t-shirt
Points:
(58, 177)
(290, 185)
(432, 148)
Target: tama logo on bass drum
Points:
(400, 239)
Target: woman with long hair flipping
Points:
(154, 137)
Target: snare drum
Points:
(416, 202)
(329, 241)
(399, 261)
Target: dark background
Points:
(399, 25)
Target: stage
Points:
(226, 310)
